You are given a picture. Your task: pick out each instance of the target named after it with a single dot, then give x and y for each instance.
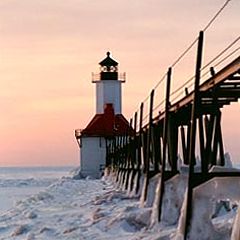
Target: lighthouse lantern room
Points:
(108, 85)
(108, 121)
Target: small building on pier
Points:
(108, 121)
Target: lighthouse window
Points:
(113, 69)
(109, 69)
(104, 69)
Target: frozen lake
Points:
(39, 203)
(17, 183)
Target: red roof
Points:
(107, 124)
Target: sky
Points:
(49, 48)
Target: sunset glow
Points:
(48, 50)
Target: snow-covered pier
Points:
(149, 158)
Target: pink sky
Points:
(48, 50)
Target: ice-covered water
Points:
(17, 183)
(50, 206)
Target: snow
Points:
(228, 161)
(173, 199)
(100, 209)
(151, 191)
(17, 183)
(204, 198)
(75, 209)
(236, 227)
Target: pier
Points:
(184, 124)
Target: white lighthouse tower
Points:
(109, 89)
(108, 121)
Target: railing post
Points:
(156, 147)
(165, 132)
(147, 157)
(139, 147)
(204, 166)
(183, 141)
(133, 153)
(221, 148)
(195, 108)
(128, 155)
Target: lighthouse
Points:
(109, 88)
(108, 121)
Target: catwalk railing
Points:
(179, 125)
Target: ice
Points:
(151, 191)
(182, 220)
(134, 192)
(144, 189)
(20, 230)
(204, 197)
(77, 209)
(236, 227)
(17, 183)
(173, 199)
(95, 209)
(228, 161)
